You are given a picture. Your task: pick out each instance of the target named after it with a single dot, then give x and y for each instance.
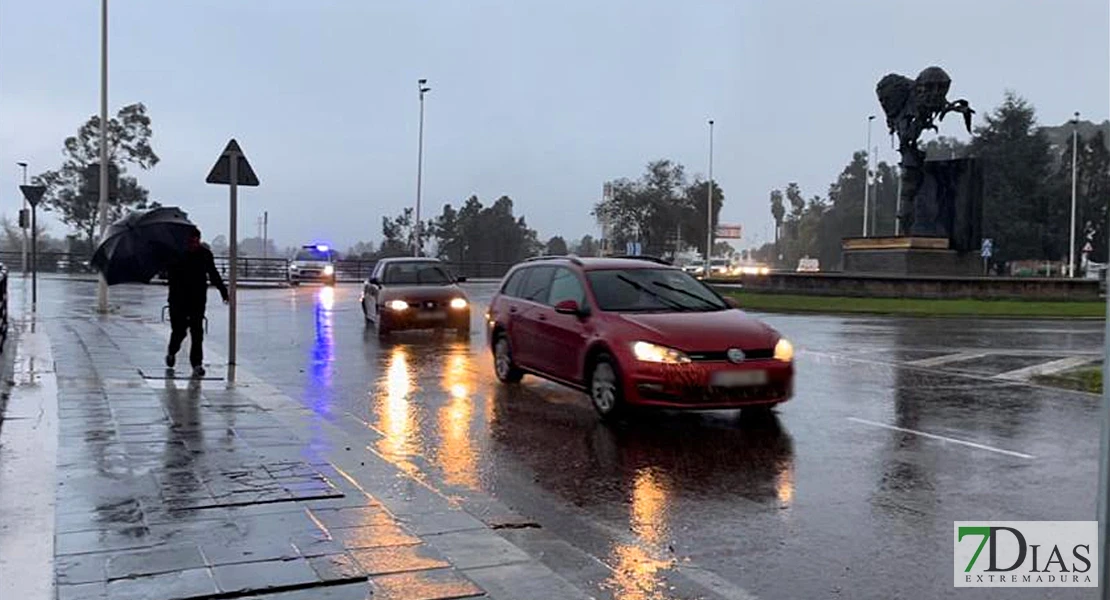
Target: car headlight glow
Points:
(784, 350)
(765, 271)
(398, 305)
(458, 303)
(293, 267)
(329, 270)
(655, 353)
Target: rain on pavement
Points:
(897, 428)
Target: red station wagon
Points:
(635, 331)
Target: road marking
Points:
(1047, 368)
(936, 361)
(943, 438)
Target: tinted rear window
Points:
(535, 288)
(511, 287)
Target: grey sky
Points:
(538, 101)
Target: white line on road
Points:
(945, 359)
(943, 438)
(1047, 368)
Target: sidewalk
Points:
(169, 488)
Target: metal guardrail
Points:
(3, 307)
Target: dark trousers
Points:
(187, 320)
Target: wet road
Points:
(898, 427)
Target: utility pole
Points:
(102, 203)
(423, 88)
(23, 220)
(867, 174)
(1074, 172)
(709, 209)
(265, 234)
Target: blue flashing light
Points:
(322, 247)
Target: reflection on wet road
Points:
(813, 502)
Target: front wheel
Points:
(605, 388)
(503, 365)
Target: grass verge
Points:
(1084, 379)
(917, 306)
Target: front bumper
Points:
(311, 276)
(689, 385)
(422, 319)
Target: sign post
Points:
(33, 194)
(232, 169)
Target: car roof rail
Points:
(654, 259)
(571, 257)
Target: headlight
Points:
(398, 305)
(292, 267)
(765, 271)
(458, 303)
(658, 354)
(328, 269)
(784, 350)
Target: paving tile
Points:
(179, 584)
(353, 517)
(524, 581)
(336, 567)
(80, 568)
(375, 536)
(316, 544)
(437, 584)
(102, 541)
(154, 561)
(398, 559)
(352, 591)
(442, 522)
(476, 548)
(261, 576)
(84, 591)
(249, 550)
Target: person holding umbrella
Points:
(188, 278)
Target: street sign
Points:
(221, 171)
(632, 248)
(33, 193)
(233, 170)
(987, 248)
(92, 180)
(729, 232)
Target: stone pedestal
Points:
(907, 255)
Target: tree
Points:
(587, 246)
(399, 234)
(1021, 213)
(69, 191)
(256, 247)
(1092, 193)
(557, 246)
(778, 211)
(477, 233)
(691, 213)
(219, 245)
(361, 251)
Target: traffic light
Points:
(24, 218)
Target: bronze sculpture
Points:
(912, 106)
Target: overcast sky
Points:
(540, 101)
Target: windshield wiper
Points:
(675, 305)
(672, 288)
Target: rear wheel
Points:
(503, 365)
(605, 388)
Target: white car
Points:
(313, 264)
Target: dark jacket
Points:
(189, 279)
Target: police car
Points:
(314, 263)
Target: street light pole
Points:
(417, 246)
(102, 203)
(709, 209)
(23, 254)
(867, 174)
(1074, 171)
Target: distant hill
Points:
(1060, 135)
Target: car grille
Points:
(722, 356)
(712, 395)
(427, 305)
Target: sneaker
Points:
(171, 360)
(198, 371)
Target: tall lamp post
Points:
(23, 221)
(102, 203)
(867, 175)
(1074, 171)
(421, 85)
(709, 209)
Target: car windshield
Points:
(313, 255)
(651, 290)
(415, 273)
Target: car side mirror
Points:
(732, 302)
(375, 281)
(460, 279)
(570, 307)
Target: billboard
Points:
(728, 232)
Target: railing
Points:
(257, 269)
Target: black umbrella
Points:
(142, 244)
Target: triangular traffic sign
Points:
(33, 193)
(221, 171)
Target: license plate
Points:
(431, 316)
(739, 378)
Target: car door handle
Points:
(542, 317)
(512, 309)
